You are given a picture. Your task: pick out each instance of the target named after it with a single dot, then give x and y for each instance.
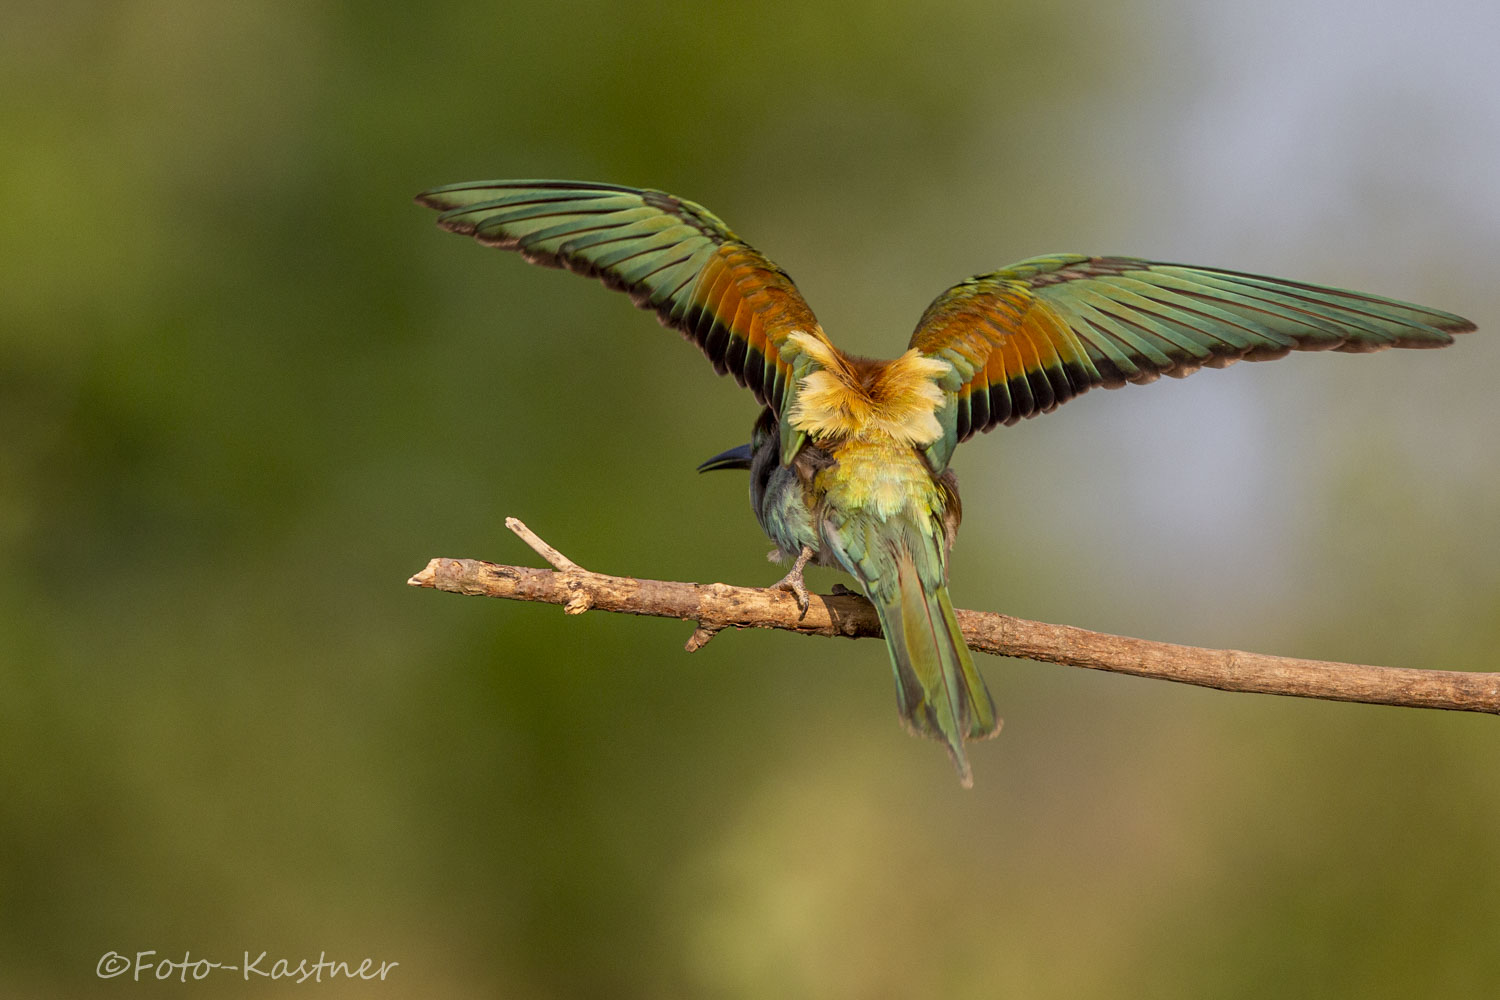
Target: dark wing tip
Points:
(459, 226)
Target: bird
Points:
(848, 458)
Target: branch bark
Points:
(717, 606)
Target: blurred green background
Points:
(247, 388)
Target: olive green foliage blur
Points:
(247, 388)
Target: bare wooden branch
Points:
(716, 606)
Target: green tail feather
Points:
(939, 692)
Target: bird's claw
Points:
(794, 584)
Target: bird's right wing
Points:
(1027, 338)
(672, 256)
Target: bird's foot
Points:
(794, 584)
(839, 590)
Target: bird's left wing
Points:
(1031, 336)
(671, 255)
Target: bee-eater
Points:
(849, 458)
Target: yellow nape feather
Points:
(892, 400)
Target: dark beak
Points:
(734, 458)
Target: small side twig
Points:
(554, 558)
(716, 606)
(700, 638)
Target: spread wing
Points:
(1027, 338)
(672, 256)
